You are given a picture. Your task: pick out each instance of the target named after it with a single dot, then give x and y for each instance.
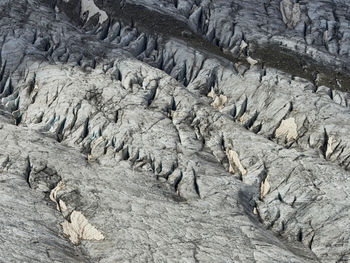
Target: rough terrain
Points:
(174, 131)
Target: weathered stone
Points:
(131, 123)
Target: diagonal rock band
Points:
(174, 131)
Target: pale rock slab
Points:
(251, 61)
(143, 153)
(90, 7)
(79, 229)
(54, 192)
(290, 13)
(219, 102)
(265, 187)
(235, 163)
(288, 128)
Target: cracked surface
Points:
(125, 140)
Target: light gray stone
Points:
(127, 137)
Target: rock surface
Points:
(174, 131)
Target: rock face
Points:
(174, 131)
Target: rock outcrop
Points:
(174, 131)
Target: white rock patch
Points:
(264, 187)
(288, 127)
(251, 61)
(330, 147)
(211, 94)
(290, 13)
(97, 148)
(235, 162)
(219, 102)
(80, 229)
(53, 194)
(89, 6)
(243, 45)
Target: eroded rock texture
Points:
(174, 131)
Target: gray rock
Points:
(125, 140)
